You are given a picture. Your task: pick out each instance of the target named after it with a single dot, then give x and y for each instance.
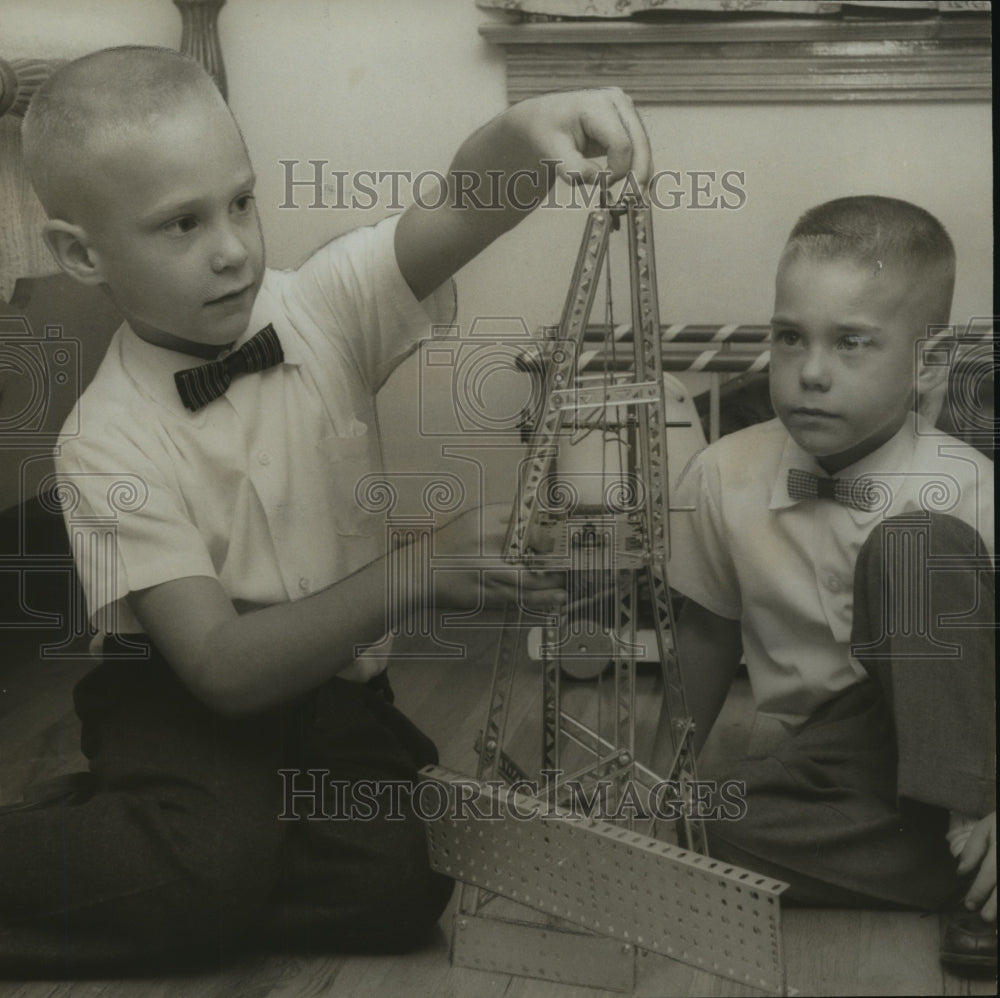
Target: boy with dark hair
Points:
(244, 575)
(844, 549)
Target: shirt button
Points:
(833, 584)
(264, 457)
(304, 584)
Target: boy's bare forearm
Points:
(288, 649)
(504, 170)
(457, 229)
(244, 663)
(241, 664)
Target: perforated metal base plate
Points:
(609, 880)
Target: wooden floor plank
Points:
(425, 973)
(846, 952)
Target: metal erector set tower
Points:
(589, 892)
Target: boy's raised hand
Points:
(505, 169)
(589, 135)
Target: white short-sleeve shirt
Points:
(258, 488)
(785, 568)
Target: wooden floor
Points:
(827, 952)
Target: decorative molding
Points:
(19, 79)
(751, 61)
(200, 36)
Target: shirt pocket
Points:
(344, 461)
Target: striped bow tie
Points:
(197, 386)
(858, 493)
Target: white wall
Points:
(377, 84)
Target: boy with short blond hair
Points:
(805, 554)
(244, 574)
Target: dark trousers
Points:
(194, 843)
(852, 808)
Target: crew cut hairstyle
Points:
(871, 228)
(876, 231)
(100, 96)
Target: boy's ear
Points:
(935, 360)
(933, 367)
(70, 246)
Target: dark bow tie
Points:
(858, 493)
(197, 386)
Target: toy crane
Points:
(573, 853)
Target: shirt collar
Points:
(894, 455)
(152, 367)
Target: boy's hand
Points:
(473, 543)
(576, 130)
(475, 539)
(505, 169)
(981, 850)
